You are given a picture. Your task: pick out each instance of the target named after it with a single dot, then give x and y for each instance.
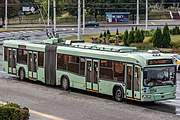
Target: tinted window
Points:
(73, 64)
(106, 69)
(22, 56)
(118, 71)
(61, 61)
(40, 59)
(5, 53)
(82, 65)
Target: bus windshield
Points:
(159, 76)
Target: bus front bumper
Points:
(158, 97)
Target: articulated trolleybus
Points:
(122, 72)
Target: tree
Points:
(100, 36)
(166, 39)
(125, 38)
(136, 28)
(12, 10)
(131, 37)
(104, 34)
(117, 32)
(141, 36)
(157, 38)
(108, 33)
(137, 36)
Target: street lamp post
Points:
(54, 6)
(79, 19)
(48, 12)
(83, 17)
(146, 14)
(5, 14)
(137, 17)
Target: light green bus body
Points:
(135, 60)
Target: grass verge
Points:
(18, 29)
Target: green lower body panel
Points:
(76, 81)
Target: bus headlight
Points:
(146, 96)
(174, 94)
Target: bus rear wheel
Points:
(65, 83)
(118, 94)
(21, 74)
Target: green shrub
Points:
(117, 32)
(111, 40)
(108, 32)
(142, 46)
(166, 39)
(157, 38)
(13, 112)
(100, 36)
(125, 38)
(104, 34)
(131, 37)
(137, 36)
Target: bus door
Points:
(92, 68)
(32, 65)
(129, 80)
(137, 82)
(12, 61)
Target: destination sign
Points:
(160, 61)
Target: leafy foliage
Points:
(166, 39)
(13, 112)
(131, 37)
(157, 38)
(12, 10)
(125, 38)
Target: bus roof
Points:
(29, 45)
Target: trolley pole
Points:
(146, 14)
(5, 14)
(48, 12)
(79, 19)
(83, 17)
(137, 17)
(54, 6)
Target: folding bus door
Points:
(129, 81)
(137, 81)
(32, 65)
(12, 60)
(92, 67)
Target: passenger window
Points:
(106, 69)
(61, 61)
(22, 56)
(119, 71)
(5, 53)
(73, 64)
(40, 59)
(82, 65)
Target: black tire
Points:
(65, 83)
(118, 94)
(21, 74)
(95, 26)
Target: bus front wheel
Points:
(65, 83)
(21, 74)
(118, 94)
